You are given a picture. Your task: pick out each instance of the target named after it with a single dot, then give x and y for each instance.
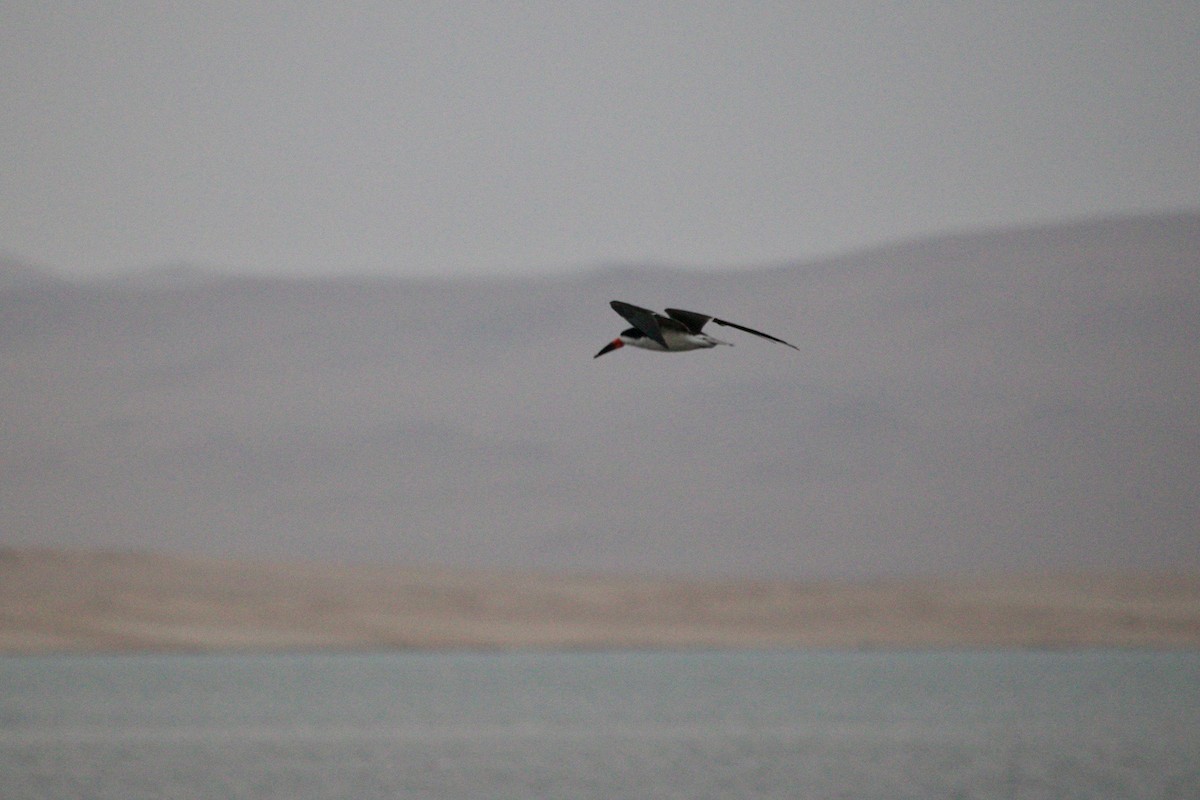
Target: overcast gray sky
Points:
(491, 138)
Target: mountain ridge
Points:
(1017, 400)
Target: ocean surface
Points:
(1092, 724)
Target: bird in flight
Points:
(677, 331)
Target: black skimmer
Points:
(676, 332)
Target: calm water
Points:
(603, 725)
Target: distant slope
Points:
(1017, 400)
(118, 602)
(17, 274)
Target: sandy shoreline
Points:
(83, 601)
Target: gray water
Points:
(1096, 724)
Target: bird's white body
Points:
(677, 341)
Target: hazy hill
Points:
(17, 274)
(1012, 400)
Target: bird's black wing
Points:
(696, 321)
(691, 320)
(751, 330)
(643, 319)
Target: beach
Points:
(62, 601)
